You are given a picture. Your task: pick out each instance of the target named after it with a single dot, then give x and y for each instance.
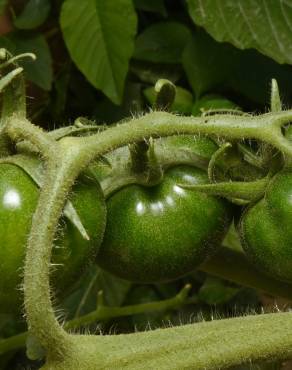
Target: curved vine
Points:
(207, 345)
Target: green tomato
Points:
(211, 102)
(265, 229)
(160, 233)
(19, 195)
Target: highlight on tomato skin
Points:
(161, 233)
(72, 253)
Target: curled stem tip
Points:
(219, 152)
(166, 92)
(16, 58)
(248, 191)
(6, 80)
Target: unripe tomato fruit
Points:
(162, 232)
(18, 196)
(212, 102)
(265, 229)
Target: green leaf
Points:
(40, 71)
(100, 38)
(207, 63)
(154, 6)
(232, 239)
(162, 42)
(33, 15)
(132, 103)
(210, 66)
(3, 4)
(83, 296)
(59, 98)
(151, 72)
(263, 25)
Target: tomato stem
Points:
(65, 160)
(139, 156)
(103, 313)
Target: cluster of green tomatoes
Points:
(133, 213)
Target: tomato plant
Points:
(149, 120)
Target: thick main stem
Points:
(41, 318)
(265, 128)
(218, 344)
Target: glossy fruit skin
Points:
(211, 102)
(265, 229)
(18, 200)
(160, 233)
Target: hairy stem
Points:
(102, 313)
(106, 312)
(70, 156)
(19, 128)
(266, 127)
(218, 344)
(41, 318)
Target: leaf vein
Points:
(273, 29)
(234, 40)
(285, 15)
(252, 31)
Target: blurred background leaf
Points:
(100, 39)
(162, 43)
(33, 14)
(155, 6)
(210, 65)
(40, 71)
(262, 25)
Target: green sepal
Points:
(238, 190)
(276, 104)
(213, 161)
